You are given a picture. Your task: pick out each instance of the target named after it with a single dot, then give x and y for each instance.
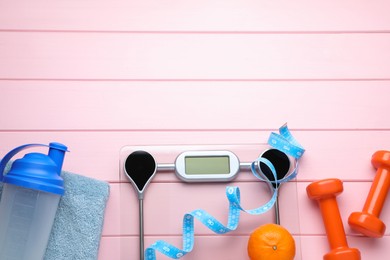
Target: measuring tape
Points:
(285, 142)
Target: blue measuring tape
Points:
(285, 142)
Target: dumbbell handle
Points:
(332, 222)
(378, 192)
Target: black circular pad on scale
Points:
(140, 166)
(279, 160)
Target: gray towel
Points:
(79, 219)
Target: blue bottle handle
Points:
(10, 154)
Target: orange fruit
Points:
(271, 242)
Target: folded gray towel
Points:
(79, 219)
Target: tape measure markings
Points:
(283, 141)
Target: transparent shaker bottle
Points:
(31, 192)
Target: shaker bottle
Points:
(31, 191)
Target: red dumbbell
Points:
(367, 222)
(325, 192)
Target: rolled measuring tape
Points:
(285, 142)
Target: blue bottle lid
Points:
(36, 170)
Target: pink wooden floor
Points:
(100, 75)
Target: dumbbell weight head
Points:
(381, 160)
(367, 224)
(324, 189)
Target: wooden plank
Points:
(97, 154)
(170, 202)
(325, 154)
(234, 247)
(206, 247)
(151, 56)
(231, 15)
(74, 105)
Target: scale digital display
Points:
(207, 164)
(198, 166)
